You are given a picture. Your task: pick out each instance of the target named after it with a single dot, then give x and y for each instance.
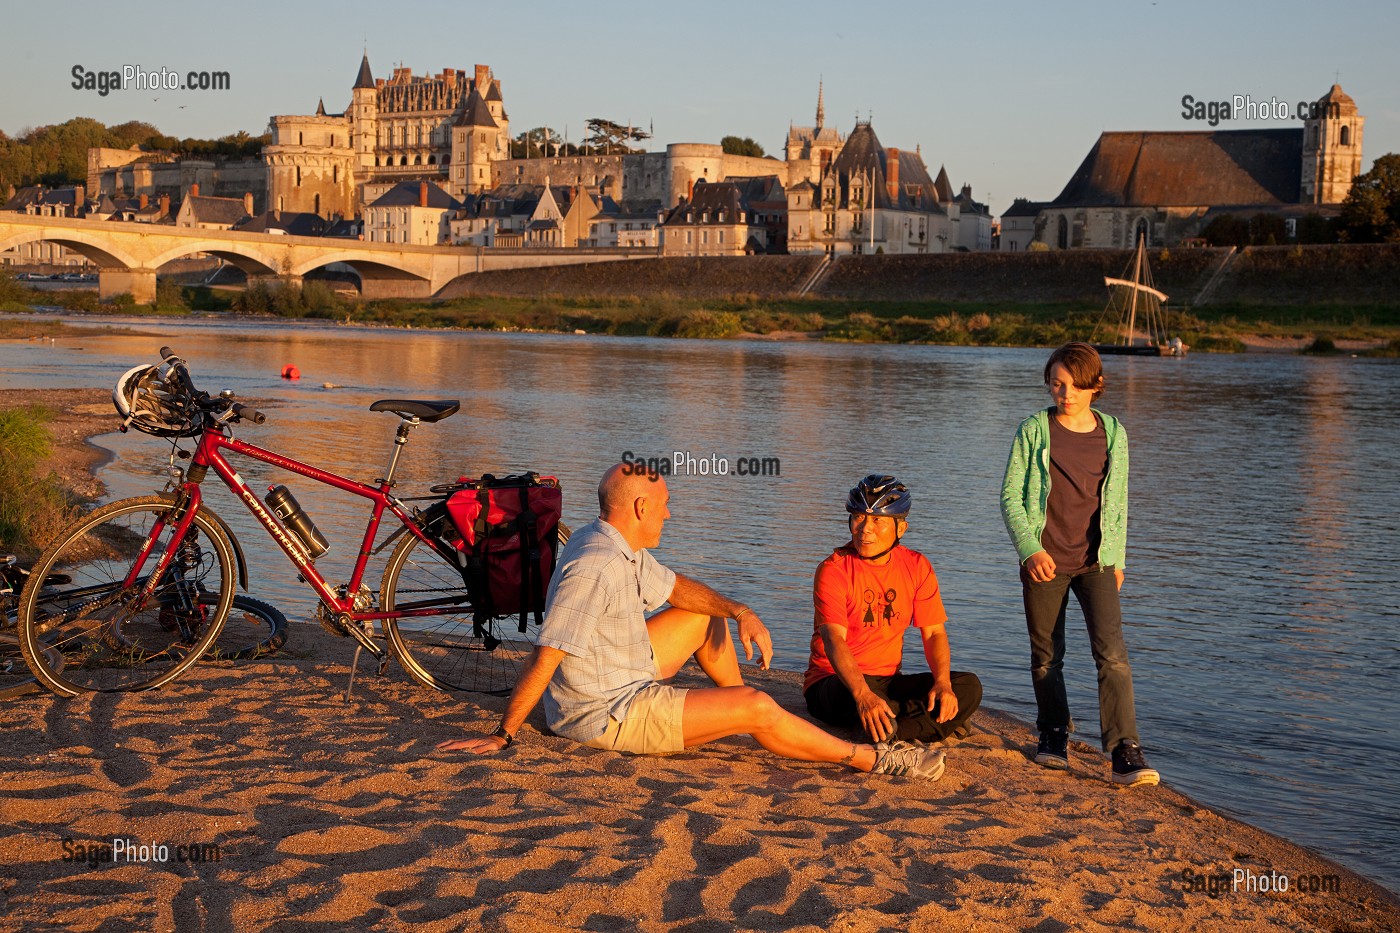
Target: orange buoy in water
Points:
(290, 372)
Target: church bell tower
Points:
(1331, 148)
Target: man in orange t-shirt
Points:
(866, 594)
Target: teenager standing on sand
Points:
(1065, 503)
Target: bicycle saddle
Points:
(426, 412)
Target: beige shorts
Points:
(652, 725)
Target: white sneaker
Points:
(904, 759)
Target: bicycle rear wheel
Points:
(110, 635)
(253, 629)
(448, 650)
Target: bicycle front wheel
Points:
(16, 679)
(112, 636)
(448, 650)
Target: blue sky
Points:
(1009, 96)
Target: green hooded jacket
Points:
(1026, 488)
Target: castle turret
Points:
(364, 117)
(477, 141)
(1331, 148)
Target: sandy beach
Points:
(281, 806)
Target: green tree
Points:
(605, 136)
(734, 145)
(1227, 230)
(1314, 228)
(57, 155)
(1268, 230)
(1371, 211)
(536, 143)
(131, 133)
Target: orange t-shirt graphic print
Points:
(875, 604)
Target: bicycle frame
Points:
(210, 453)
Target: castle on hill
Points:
(451, 130)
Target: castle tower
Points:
(477, 141)
(364, 118)
(1331, 148)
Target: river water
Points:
(1263, 583)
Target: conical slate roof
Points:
(942, 186)
(365, 79)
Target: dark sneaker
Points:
(1053, 750)
(1130, 768)
(903, 758)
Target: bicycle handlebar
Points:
(240, 411)
(248, 413)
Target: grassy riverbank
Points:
(31, 497)
(1284, 298)
(1213, 329)
(969, 323)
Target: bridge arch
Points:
(246, 257)
(104, 256)
(364, 268)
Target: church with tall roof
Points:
(1167, 186)
(848, 193)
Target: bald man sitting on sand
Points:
(599, 658)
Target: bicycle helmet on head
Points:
(879, 495)
(149, 404)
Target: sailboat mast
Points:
(1132, 303)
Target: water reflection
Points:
(1262, 590)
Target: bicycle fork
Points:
(179, 558)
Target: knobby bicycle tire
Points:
(450, 651)
(248, 618)
(110, 637)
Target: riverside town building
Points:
(426, 160)
(450, 131)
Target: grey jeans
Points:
(1097, 593)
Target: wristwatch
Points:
(501, 733)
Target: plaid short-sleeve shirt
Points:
(595, 614)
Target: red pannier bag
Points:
(509, 529)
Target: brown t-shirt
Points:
(1078, 464)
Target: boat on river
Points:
(1133, 304)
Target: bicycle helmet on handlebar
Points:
(148, 402)
(879, 495)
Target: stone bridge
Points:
(128, 255)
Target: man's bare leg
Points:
(677, 636)
(714, 713)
